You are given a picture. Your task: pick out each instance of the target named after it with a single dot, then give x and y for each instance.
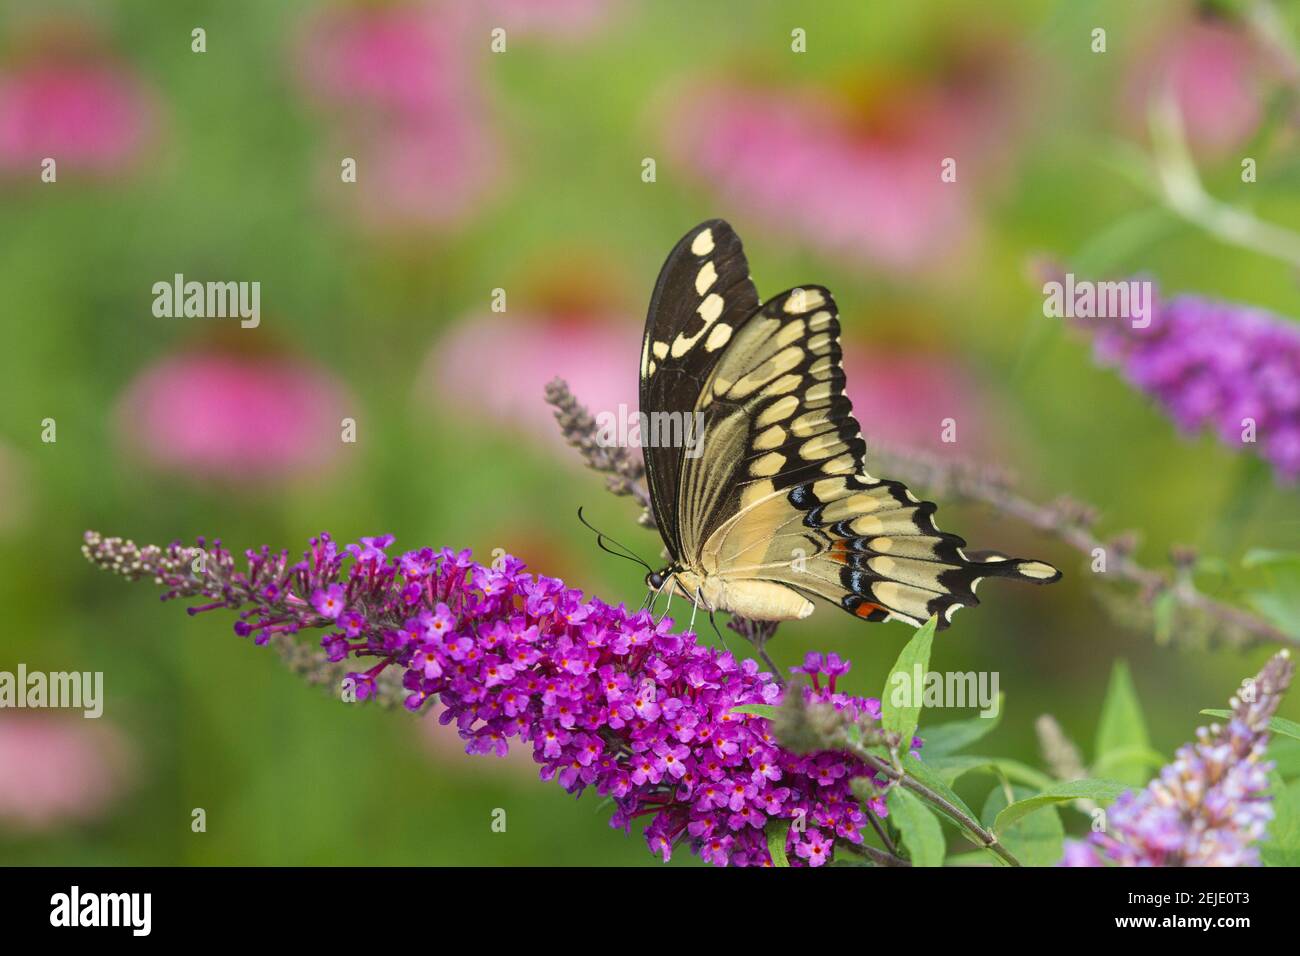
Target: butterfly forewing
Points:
(704, 294)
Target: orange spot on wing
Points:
(866, 609)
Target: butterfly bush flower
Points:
(1207, 808)
(605, 698)
(1212, 365)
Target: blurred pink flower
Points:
(1216, 74)
(902, 399)
(415, 177)
(235, 418)
(549, 19)
(596, 354)
(860, 187)
(405, 60)
(90, 116)
(405, 102)
(57, 769)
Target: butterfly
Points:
(764, 501)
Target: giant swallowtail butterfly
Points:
(770, 503)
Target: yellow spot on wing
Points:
(823, 446)
(772, 438)
(705, 278)
(718, 337)
(786, 383)
(702, 244)
(768, 465)
(778, 411)
(1036, 569)
(792, 332)
(711, 307)
(803, 300)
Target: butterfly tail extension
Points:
(891, 560)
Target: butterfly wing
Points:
(775, 490)
(780, 493)
(703, 295)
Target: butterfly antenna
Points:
(626, 552)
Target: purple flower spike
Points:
(1216, 366)
(605, 698)
(1207, 808)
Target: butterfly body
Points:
(774, 507)
(755, 599)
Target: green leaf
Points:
(953, 736)
(951, 768)
(1279, 600)
(1036, 840)
(1122, 733)
(1124, 757)
(1272, 559)
(1102, 791)
(918, 826)
(1278, 725)
(901, 718)
(1282, 845)
(1285, 755)
(757, 710)
(925, 774)
(777, 832)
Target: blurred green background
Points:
(234, 175)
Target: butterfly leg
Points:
(669, 605)
(721, 638)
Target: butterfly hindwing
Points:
(803, 510)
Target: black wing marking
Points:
(703, 295)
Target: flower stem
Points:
(879, 857)
(985, 838)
